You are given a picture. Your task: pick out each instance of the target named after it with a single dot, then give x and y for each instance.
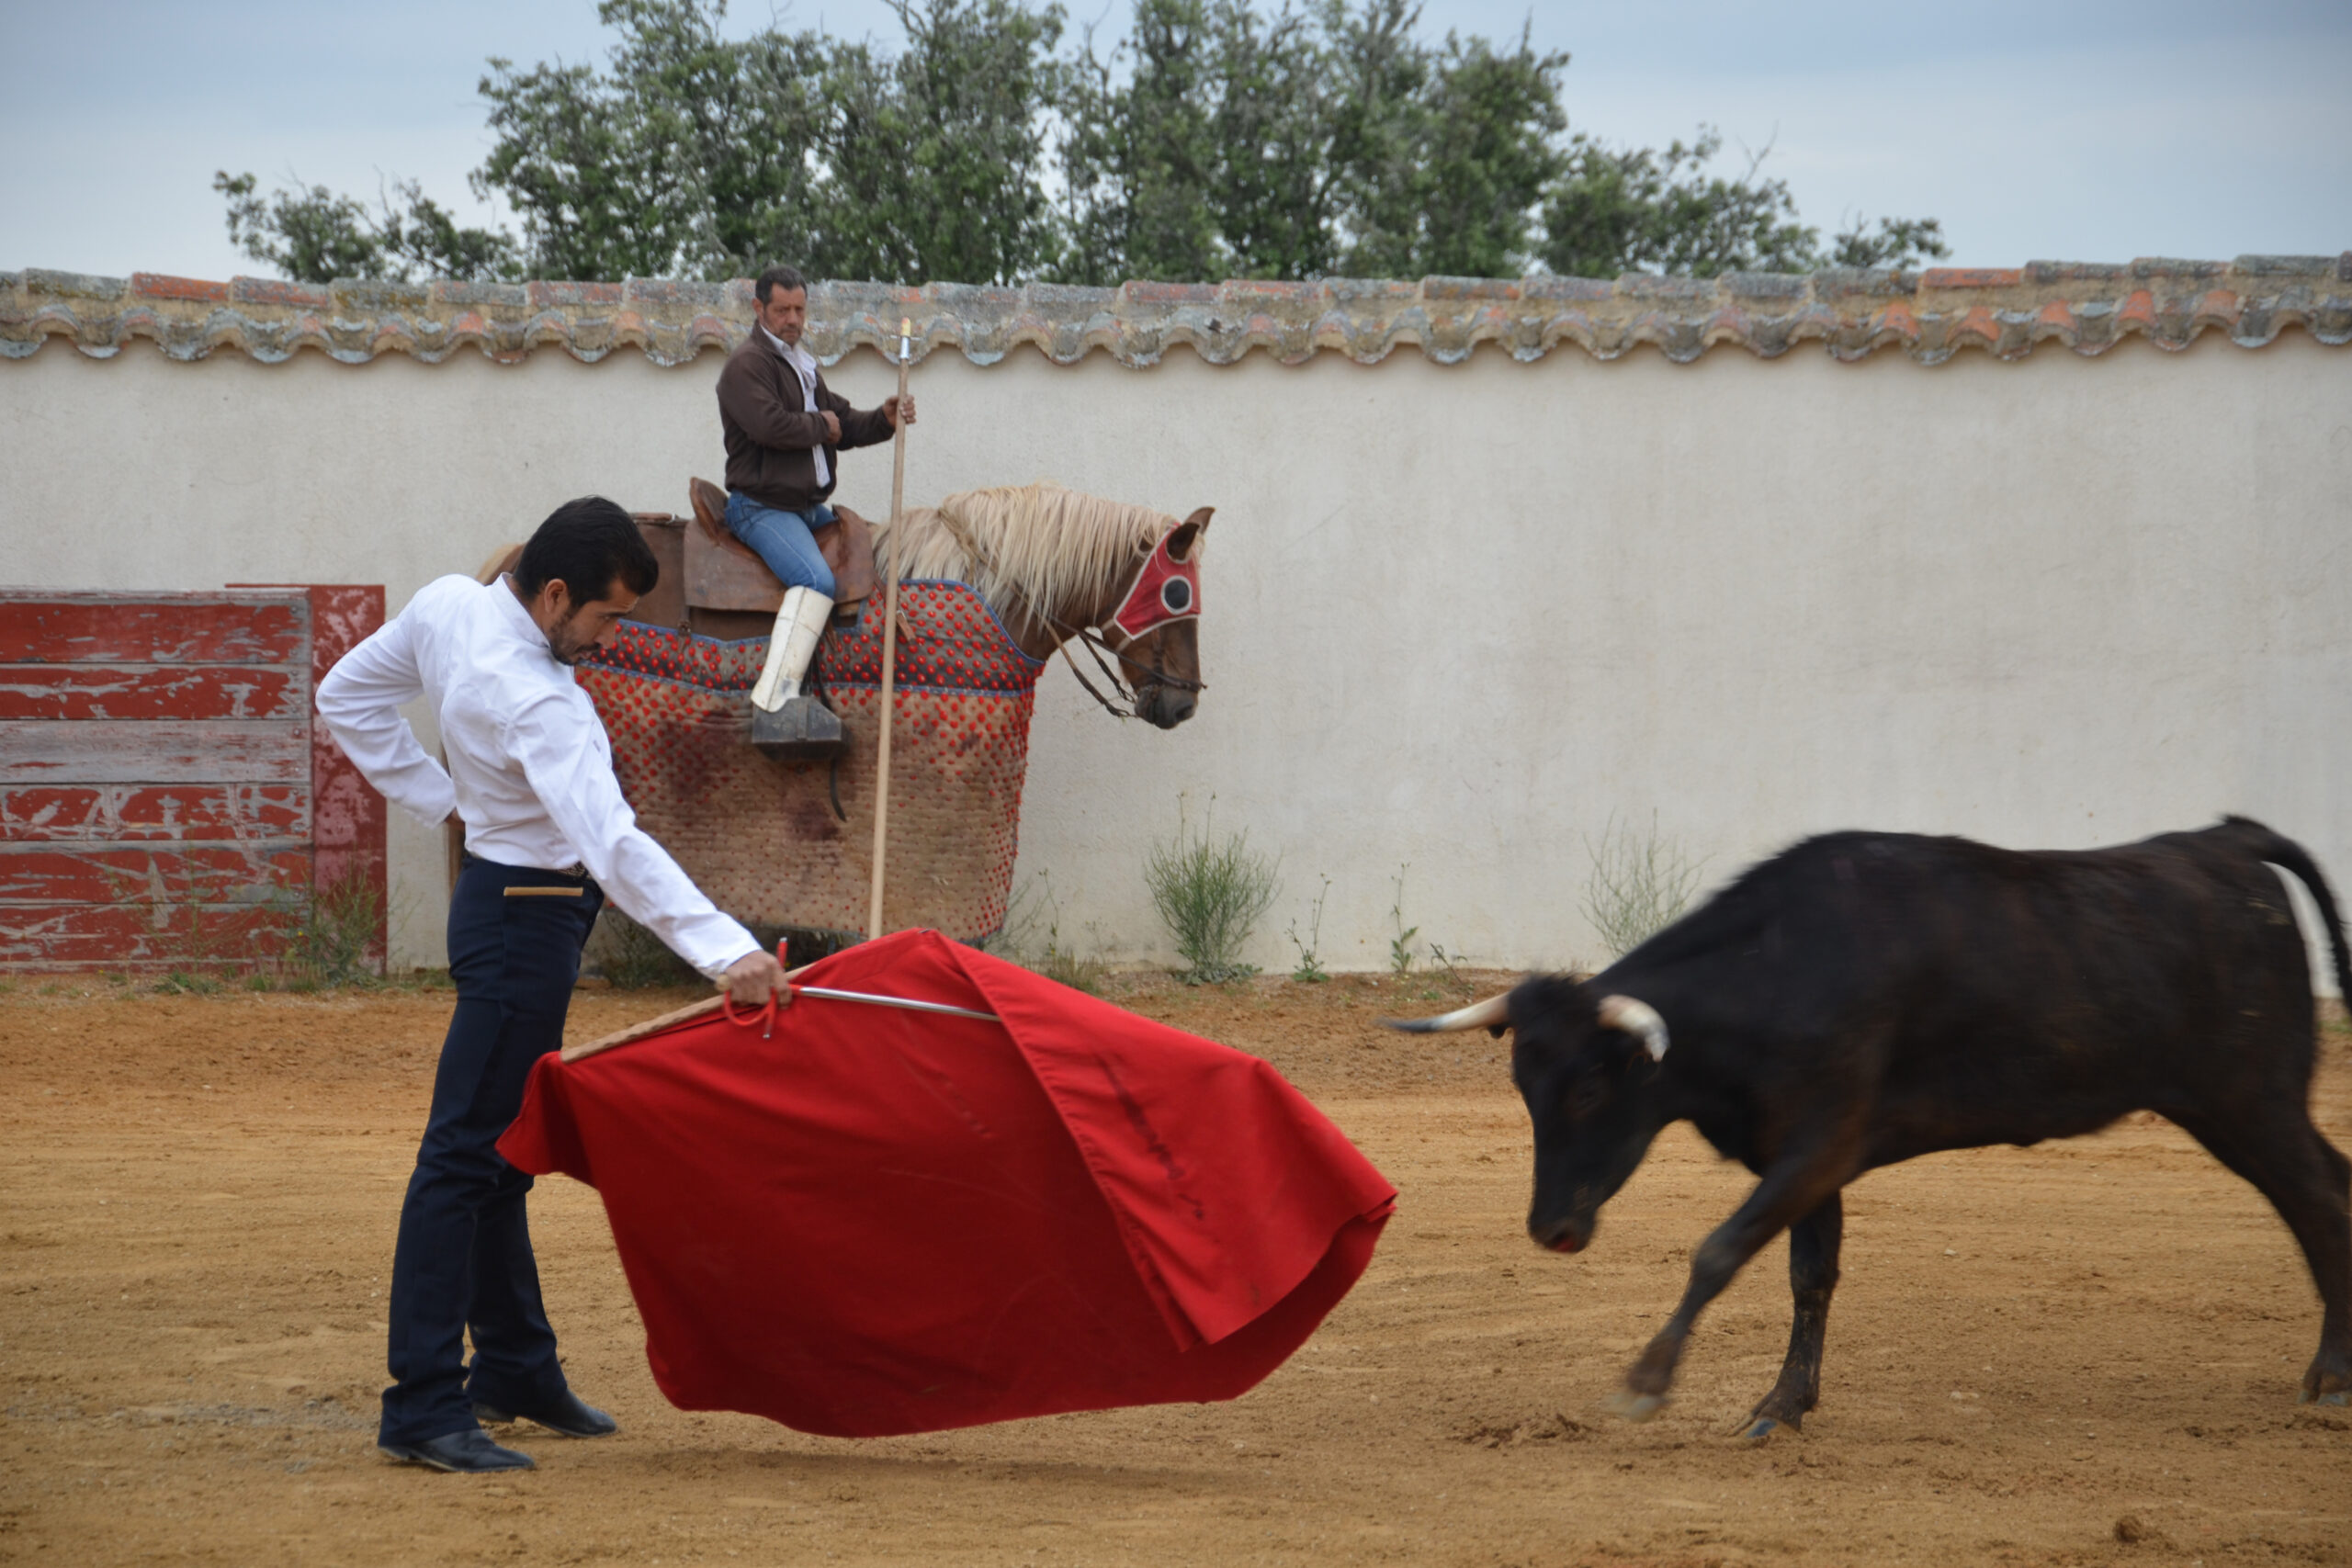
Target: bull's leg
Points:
(2310, 1183)
(1791, 1189)
(1813, 1275)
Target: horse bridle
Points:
(1129, 692)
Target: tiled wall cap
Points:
(355, 296)
(1469, 288)
(2285, 267)
(500, 296)
(1362, 290)
(85, 285)
(1655, 286)
(1875, 282)
(1848, 312)
(674, 291)
(2074, 272)
(2153, 267)
(1765, 285)
(1551, 287)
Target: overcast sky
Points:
(2056, 129)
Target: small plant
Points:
(1449, 962)
(1639, 883)
(188, 982)
(1211, 892)
(332, 938)
(1310, 959)
(1065, 965)
(1400, 946)
(634, 958)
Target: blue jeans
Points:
(463, 1261)
(785, 540)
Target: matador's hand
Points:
(754, 977)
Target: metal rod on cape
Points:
(873, 927)
(871, 999)
(709, 1005)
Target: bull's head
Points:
(1588, 1067)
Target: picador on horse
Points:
(786, 431)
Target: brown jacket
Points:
(771, 437)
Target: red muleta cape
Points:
(879, 1221)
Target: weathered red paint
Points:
(131, 813)
(166, 797)
(169, 691)
(118, 874)
(101, 628)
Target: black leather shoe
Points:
(468, 1452)
(568, 1417)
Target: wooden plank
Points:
(154, 751)
(122, 813)
(347, 815)
(140, 874)
(141, 936)
(73, 629)
(152, 691)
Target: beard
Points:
(565, 643)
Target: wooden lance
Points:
(874, 926)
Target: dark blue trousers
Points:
(463, 1262)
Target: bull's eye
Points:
(1584, 1096)
(1176, 595)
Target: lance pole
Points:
(873, 927)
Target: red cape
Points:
(879, 1222)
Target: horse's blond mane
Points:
(1022, 545)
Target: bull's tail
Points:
(2282, 850)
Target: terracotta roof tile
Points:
(1852, 312)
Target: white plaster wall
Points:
(1457, 618)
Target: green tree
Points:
(1640, 209)
(935, 158)
(1218, 139)
(313, 235)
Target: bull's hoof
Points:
(1764, 1427)
(2338, 1396)
(1637, 1406)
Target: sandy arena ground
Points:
(2083, 1353)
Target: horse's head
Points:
(1155, 625)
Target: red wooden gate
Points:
(166, 800)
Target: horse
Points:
(993, 583)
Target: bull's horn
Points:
(1492, 1013)
(1636, 1016)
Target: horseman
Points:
(784, 431)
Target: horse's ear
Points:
(1187, 533)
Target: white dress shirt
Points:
(804, 365)
(530, 767)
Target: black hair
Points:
(586, 545)
(775, 277)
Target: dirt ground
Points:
(2082, 1353)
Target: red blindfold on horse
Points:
(1166, 588)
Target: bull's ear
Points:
(1187, 536)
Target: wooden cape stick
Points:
(873, 927)
(636, 1032)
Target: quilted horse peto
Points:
(791, 843)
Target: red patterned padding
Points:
(762, 837)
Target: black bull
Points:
(1865, 998)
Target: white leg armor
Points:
(800, 624)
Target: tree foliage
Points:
(1218, 139)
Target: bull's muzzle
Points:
(1560, 1235)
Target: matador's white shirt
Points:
(530, 767)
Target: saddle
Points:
(724, 573)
